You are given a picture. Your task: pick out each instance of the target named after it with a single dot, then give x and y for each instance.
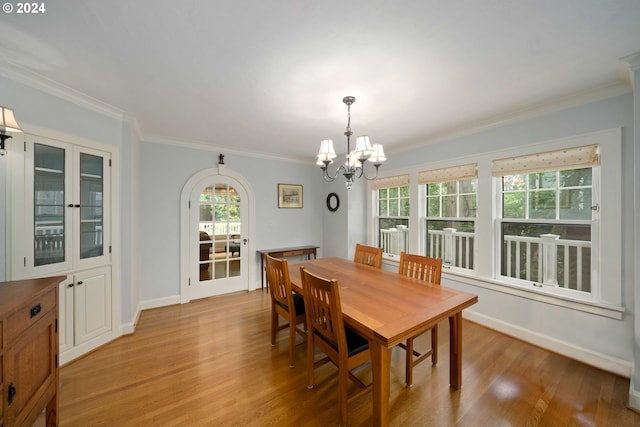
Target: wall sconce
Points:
(8, 123)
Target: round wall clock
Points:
(333, 202)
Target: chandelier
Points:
(356, 159)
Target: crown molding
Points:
(554, 105)
(135, 125)
(44, 84)
(632, 65)
(199, 145)
(632, 60)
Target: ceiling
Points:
(268, 77)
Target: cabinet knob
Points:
(80, 282)
(70, 285)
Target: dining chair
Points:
(429, 270)
(342, 346)
(285, 303)
(368, 255)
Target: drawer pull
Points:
(35, 310)
(11, 394)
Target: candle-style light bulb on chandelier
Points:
(356, 159)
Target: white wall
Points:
(348, 225)
(336, 241)
(166, 168)
(129, 190)
(634, 388)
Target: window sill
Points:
(539, 294)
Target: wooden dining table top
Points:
(385, 305)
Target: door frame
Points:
(185, 255)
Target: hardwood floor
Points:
(210, 363)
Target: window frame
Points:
(378, 217)
(605, 299)
(593, 223)
(425, 218)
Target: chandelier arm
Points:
(330, 178)
(368, 178)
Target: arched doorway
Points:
(217, 223)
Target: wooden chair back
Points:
(277, 272)
(324, 313)
(420, 267)
(429, 270)
(284, 303)
(368, 255)
(343, 347)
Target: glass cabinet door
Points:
(91, 206)
(49, 225)
(66, 214)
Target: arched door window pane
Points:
(220, 231)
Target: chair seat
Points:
(355, 342)
(298, 303)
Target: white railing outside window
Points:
(220, 228)
(539, 259)
(454, 247)
(395, 240)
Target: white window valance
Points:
(454, 173)
(568, 158)
(392, 181)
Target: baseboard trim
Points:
(159, 302)
(86, 348)
(614, 365)
(634, 397)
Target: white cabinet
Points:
(66, 214)
(85, 307)
(60, 223)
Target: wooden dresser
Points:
(29, 351)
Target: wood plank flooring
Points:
(210, 363)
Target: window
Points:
(546, 223)
(393, 214)
(450, 212)
(542, 221)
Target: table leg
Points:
(455, 350)
(380, 365)
(262, 271)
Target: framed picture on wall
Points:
(289, 196)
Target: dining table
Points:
(387, 308)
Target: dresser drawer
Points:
(29, 314)
(294, 253)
